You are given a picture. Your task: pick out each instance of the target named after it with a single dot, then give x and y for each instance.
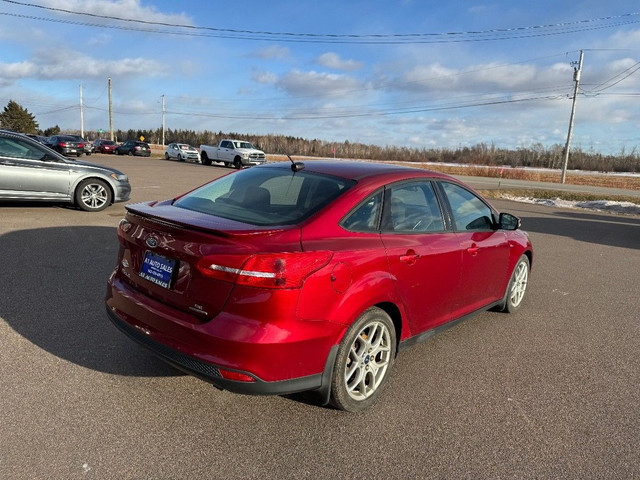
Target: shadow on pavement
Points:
(53, 286)
(614, 231)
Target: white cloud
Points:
(119, 8)
(71, 65)
(333, 61)
(274, 52)
(267, 78)
(483, 78)
(625, 40)
(12, 71)
(318, 84)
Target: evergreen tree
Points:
(18, 119)
(52, 131)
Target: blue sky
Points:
(495, 72)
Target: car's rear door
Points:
(422, 253)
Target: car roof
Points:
(360, 170)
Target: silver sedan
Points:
(30, 171)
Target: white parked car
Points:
(181, 152)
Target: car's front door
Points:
(226, 151)
(422, 254)
(485, 250)
(26, 171)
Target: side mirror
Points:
(509, 222)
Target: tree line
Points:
(534, 156)
(16, 118)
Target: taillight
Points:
(266, 270)
(63, 144)
(136, 147)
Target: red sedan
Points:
(104, 146)
(291, 277)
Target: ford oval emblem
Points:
(152, 242)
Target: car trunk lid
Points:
(161, 246)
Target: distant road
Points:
(494, 183)
(489, 183)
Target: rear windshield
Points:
(266, 196)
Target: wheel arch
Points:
(395, 314)
(78, 181)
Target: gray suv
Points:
(31, 171)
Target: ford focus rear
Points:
(281, 278)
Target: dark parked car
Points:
(104, 146)
(31, 171)
(66, 145)
(284, 277)
(86, 145)
(134, 147)
(38, 138)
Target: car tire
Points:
(205, 158)
(237, 163)
(166, 156)
(93, 195)
(180, 158)
(517, 286)
(130, 153)
(363, 362)
(78, 154)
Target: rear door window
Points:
(366, 216)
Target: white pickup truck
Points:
(232, 152)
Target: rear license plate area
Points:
(158, 269)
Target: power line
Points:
(446, 37)
(603, 86)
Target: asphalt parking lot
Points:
(549, 392)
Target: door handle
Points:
(410, 257)
(473, 250)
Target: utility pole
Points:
(110, 111)
(163, 120)
(81, 114)
(576, 80)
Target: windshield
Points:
(243, 145)
(266, 196)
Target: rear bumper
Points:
(211, 373)
(290, 357)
